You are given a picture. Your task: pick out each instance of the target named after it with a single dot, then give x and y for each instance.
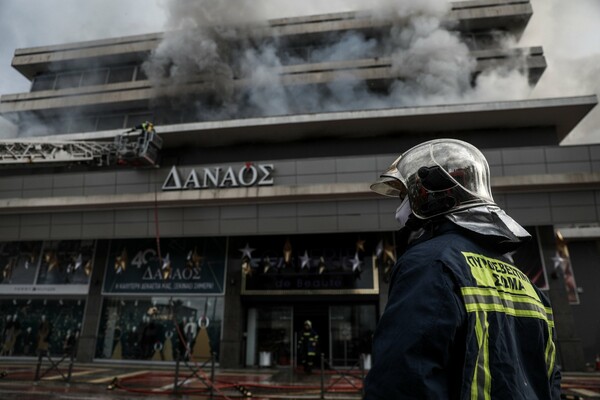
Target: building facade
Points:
(256, 221)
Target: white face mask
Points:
(403, 212)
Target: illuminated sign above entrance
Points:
(249, 174)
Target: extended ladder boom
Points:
(140, 149)
(54, 152)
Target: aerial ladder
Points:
(129, 148)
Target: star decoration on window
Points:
(360, 245)
(266, 265)
(305, 260)
(559, 261)
(389, 252)
(121, 262)
(78, 261)
(247, 251)
(356, 263)
(246, 269)
(322, 265)
(51, 260)
(87, 268)
(287, 252)
(193, 259)
(379, 249)
(166, 267)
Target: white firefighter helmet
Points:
(439, 177)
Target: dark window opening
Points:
(121, 74)
(43, 82)
(110, 122)
(94, 77)
(85, 124)
(137, 119)
(141, 74)
(68, 80)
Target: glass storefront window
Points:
(19, 261)
(274, 336)
(160, 328)
(54, 267)
(352, 329)
(66, 261)
(28, 326)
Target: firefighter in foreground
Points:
(461, 322)
(308, 345)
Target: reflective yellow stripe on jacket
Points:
(502, 288)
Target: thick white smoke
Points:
(568, 30)
(434, 66)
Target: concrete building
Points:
(258, 219)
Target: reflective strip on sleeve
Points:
(550, 316)
(482, 379)
(550, 351)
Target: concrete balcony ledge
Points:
(502, 121)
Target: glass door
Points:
(269, 336)
(352, 330)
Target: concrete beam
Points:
(274, 194)
(558, 115)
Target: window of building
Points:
(60, 264)
(269, 336)
(66, 262)
(19, 262)
(140, 74)
(352, 330)
(94, 77)
(84, 124)
(110, 122)
(68, 80)
(121, 74)
(160, 328)
(137, 119)
(43, 82)
(31, 326)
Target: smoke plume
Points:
(216, 45)
(569, 33)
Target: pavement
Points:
(119, 381)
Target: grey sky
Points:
(567, 30)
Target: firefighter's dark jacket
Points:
(462, 323)
(308, 342)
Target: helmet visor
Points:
(390, 183)
(462, 177)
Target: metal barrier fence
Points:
(69, 356)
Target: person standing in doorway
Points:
(308, 345)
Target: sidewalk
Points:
(92, 382)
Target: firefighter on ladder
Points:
(146, 127)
